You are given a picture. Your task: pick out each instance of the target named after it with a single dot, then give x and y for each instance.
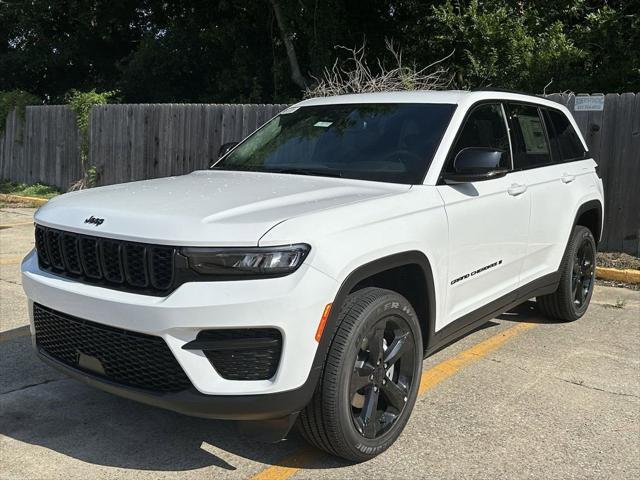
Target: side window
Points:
(530, 145)
(562, 132)
(485, 127)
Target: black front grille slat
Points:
(243, 353)
(118, 264)
(160, 266)
(41, 245)
(135, 262)
(111, 256)
(71, 253)
(54, 249)
(90, 258)
(125, 357)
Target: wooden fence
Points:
(613, 136)
(134, 142)
(41, 147)
(126, 142)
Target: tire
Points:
(577, 278)
(336, 418)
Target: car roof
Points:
(457, 97)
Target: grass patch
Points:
(35, 190)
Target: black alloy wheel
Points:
(584, 269)
(382, 376)
(370, 379)
(576, 279)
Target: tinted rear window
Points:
(561, 131)
(530, 146)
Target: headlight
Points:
(225, 262)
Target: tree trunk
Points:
(296, 74)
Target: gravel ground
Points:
(617, 260)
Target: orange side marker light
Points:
(323, 322)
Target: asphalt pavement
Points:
(523, 397)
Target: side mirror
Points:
(475, 164)
(226, 148)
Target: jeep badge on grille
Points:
(96, 221)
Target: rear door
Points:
(550, 157)
(488, 221)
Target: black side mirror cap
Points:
(475, 164)
(226, 148)
(474, 177)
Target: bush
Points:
(15, 99)
(35, 190)
(81, 104)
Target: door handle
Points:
(516, 189)
(567, 178)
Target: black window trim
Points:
(544, 129)
(554, 147)
(587, 153)
(470, 111)
(508, 127)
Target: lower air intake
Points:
(120, 356)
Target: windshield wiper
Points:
(319, 172)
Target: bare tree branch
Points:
(296, 74)
(354, 75)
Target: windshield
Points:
(381, 142)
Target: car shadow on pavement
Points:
(41, 407)
(527, 312)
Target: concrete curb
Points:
(21, 198)
(617, 275)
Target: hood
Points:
(204, 208)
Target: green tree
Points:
(235, 51)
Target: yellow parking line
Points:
(11, 261)
(446, 369)
(9, 225)
(429, 380)
(293, 462)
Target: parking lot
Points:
(522, 397)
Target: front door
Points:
(488, 221)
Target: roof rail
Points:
(505, 90)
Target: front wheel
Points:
(370, 379)
(577, 278)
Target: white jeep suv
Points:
(308, 272)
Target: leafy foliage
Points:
(226, 51)
(81, 104)
(35, 190)
(498, 46)
(15, 99)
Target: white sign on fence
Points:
(589, 103)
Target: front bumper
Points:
(192, 402)
(291, 304)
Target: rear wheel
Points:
(571, 300)
(370, 379)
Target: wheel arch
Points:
(589, 215)
(409, 273)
